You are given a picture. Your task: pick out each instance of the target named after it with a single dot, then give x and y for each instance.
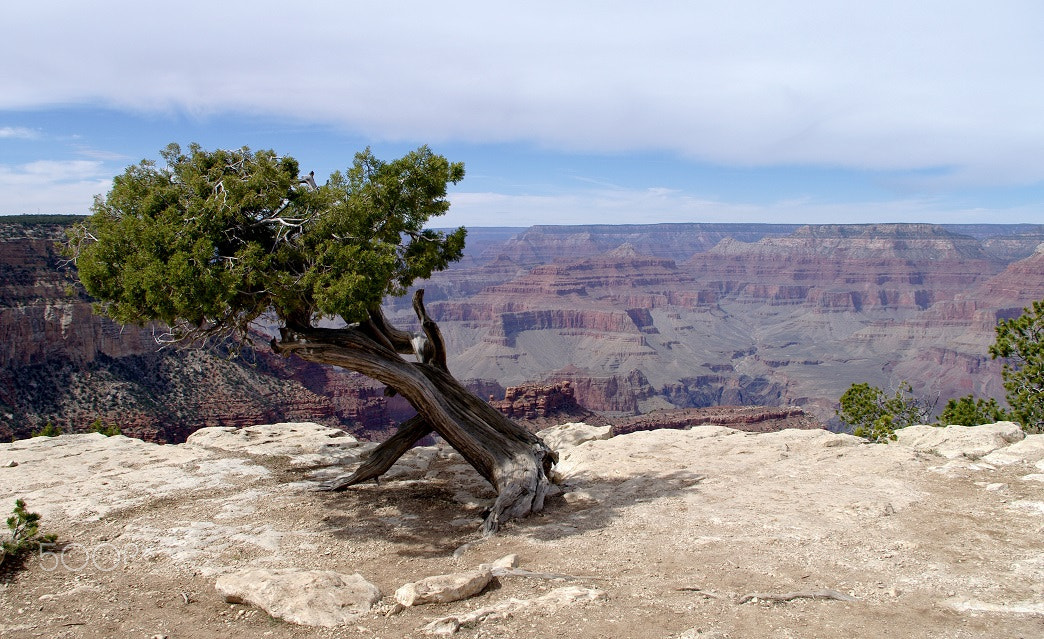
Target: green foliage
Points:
(24, 534)
(48, 430)
(97, 426)
(873, 414)
(34, 220)
(972, 411)
(210, 240)
(1020, 341)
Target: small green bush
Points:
(23, 536)
(1020, 343)
(972, 411)
(49, 430)
(881, 431)
(876, 416)
(97, 426)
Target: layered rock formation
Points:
(751, 419)
(541, 404)
(791, 318)
(636, 318)
(62, 364)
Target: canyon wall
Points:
(635, 318)
(790, 317)
(60, 363)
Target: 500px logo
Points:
(75, 557)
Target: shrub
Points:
(97, 426)
(1020, 341)
(49, 430)
(972, 411)
(24, 535)
(873, 414)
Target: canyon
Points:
(787, 316)
(638, 319)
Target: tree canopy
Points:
(210, 240)
(873, 414)
(1020, 341)
(972, 411)
(206, 241)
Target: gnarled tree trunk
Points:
(516, 462)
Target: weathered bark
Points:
(384, 456)
(513, 460)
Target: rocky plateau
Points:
(665, 534)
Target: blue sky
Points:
(563, 113)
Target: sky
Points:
(562, 112)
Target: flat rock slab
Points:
(1028, 451)
(304, 443)
(545, 604)
(445, 588)
(307, 597)
(951, 442)
(573, 434)
(110, 473)
(675, 525)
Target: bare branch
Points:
(433, 349)
(803, 594)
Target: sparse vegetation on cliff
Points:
(972, 411)
(875, 415)
(48, 430)
(23, 536)
(98, 426)
(1020, 341)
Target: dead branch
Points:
(433, 350)
(801, 594)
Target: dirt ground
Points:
(678, 528)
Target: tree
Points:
(1020, 341)
(23, 535)
(874, 415)
(210, 241)
(972, 411)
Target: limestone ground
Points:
(677, 527)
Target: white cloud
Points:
(883, 85)
(17, 133)
(47, 186)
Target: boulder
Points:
(951, 442)
(445, 588)
(1030, 451)
(307, 597)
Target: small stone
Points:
(10, 464)
(507, 561)
(445, 588)
(578, 497)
